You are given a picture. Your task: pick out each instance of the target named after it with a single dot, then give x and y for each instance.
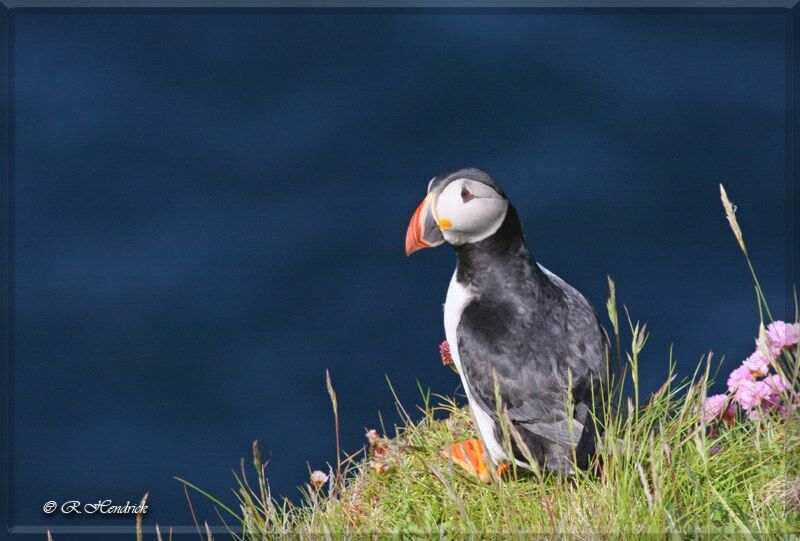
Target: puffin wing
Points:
(538, 365)
(566, 432)
(530, 388)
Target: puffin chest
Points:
(458, 298)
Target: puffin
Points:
(516, 332)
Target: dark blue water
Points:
(210, 212)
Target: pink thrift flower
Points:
(373, 437)
(755, 414)
(781, 334)
(787, 410)
(769, 399)
(715, 406)
(776, 384)
(747, 394)
(737, 377)
(317, 479)
(757, 363)
(444, 352)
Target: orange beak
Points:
(423, 232)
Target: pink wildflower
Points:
(317, 479)
(757, 363)
(373, 437)
(739, 376)
(781, 335)
(748, 394)
(444, 352)
(776, 384)
(755, 414)
(769, 398)
(787, 410)
(717, 406)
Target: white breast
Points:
(458, 297)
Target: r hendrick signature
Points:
(100, 507)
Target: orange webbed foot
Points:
(502, 469)
(469, 455)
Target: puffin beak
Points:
(423, 231)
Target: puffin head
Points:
(463, 206)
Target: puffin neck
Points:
(501, 256)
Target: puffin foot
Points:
(502, 469)
(469, 455)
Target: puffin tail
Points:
(469, 455)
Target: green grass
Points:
(659, 475)
(663, 470)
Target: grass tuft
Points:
(662, 471)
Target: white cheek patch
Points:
(494, 225)
(472, 221)
(449, 205)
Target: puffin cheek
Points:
(454, 237)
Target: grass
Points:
(663, 471)
(659, 469)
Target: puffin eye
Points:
(466, 195)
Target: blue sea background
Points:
(210, 211)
